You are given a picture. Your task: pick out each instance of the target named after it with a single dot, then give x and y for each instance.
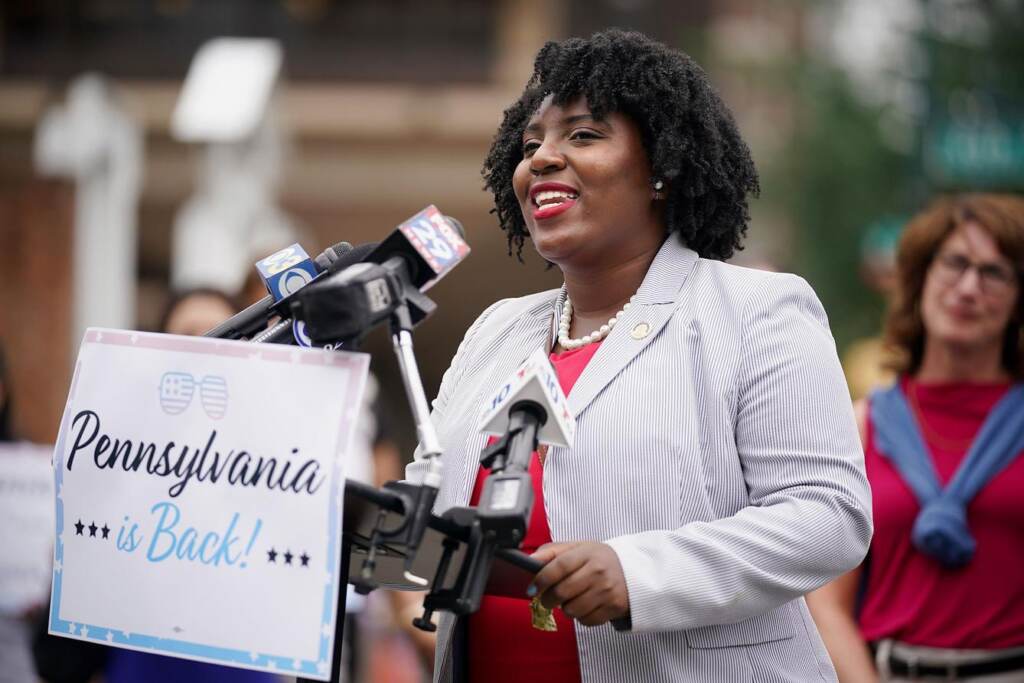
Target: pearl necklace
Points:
(595, 336)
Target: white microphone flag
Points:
(535, 380)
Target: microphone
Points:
(530, 408)
(389, 285)
(291, 331)
(287, 271)
(328, 257)
(392, 279)
(430, 243)
(252, 318)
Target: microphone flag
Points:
(286, 272)
(536, 381)
(437, 245)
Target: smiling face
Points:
(970, 291)
(584, 187)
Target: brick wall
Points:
(36, 221)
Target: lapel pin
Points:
(640, 331)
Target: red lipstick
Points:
(566, 201)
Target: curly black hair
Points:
(688, 133)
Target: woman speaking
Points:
(716, 474)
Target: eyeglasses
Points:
(992, 277)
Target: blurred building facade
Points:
(388, 106)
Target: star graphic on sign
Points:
(106, 531)
(57, 567)
(85, 631)
(78, 528)
(271, 555)
(110, 636)
(326, 630)
(296, 664)
(92, 529)
(288, 556)
(305, 559)
(321, 667)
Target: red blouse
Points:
(503, 645)
(911, 597)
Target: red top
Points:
(910, 596)
(503, 645)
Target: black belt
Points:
(908, 668)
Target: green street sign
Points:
(983, 153)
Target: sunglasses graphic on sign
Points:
(177, 388)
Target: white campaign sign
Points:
(26, 525)
(198, 485)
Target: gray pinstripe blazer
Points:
(718, 456)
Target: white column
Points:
(92, 141)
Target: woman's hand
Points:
(584, 579)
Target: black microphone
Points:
(530, 408)
(283, 332)
(253, 317)
(429, 243)
(344, 306)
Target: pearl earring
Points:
(658, 185)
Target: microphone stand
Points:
(410, 532)
(416, 501)
(484, 537)
(506, 501)
(498, 524)
(401, 338)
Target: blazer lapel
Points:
(639, 326)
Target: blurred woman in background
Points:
(194, 311)
(941, 593)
